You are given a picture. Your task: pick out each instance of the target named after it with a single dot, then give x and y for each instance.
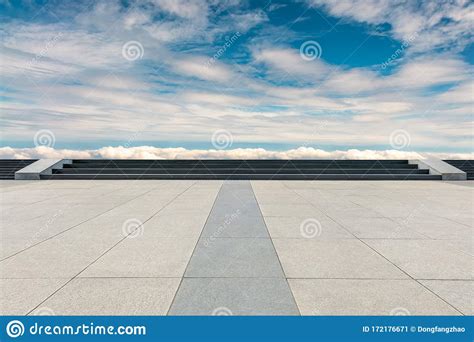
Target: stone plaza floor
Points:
(236, 247)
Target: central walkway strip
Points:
(234, 269)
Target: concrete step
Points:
(226, 170)
(243, 169)
(249, 176)
(464, 165)
(8, 167)
(233, 162)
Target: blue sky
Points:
(269, 74)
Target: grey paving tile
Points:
(235, 225)
(114, 296)
(287, 197)
(379, 228)
(9, 247)
(343, 258)
(60, 257)
(438, 227)
(458, 293)
(234, 257)
(305, 227)
(234, 296)
(50, 224)
(348, 214)
(19, 296)
(465, 246)
(426, 259)
(220, 212)
(175, 226)
(366, 297)
(295, 210)
(191, 205)
(142, 257)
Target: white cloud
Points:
(149, 152)
(290, 61)
(84, 90)
(462, 94)
(183, 8)
(246, 21)
(56, 44)
(436, 24)
(202, 68)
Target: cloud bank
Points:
(149, 152)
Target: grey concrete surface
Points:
(234, 296)
(242, 248)
(40, 167)
(367, 297)
(440, 167)
(113, 296)
(238, 268)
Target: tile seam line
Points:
(108, 250)
(389, 218)
(247, 277)
(276, 253)
(76, 225)
(73, 205)
(380, 254)
(225, 184)
(194, 249)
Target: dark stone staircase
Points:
(243, 169)
(464, 165)
(8, 167)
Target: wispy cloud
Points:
(68, 75)
(437, 24)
